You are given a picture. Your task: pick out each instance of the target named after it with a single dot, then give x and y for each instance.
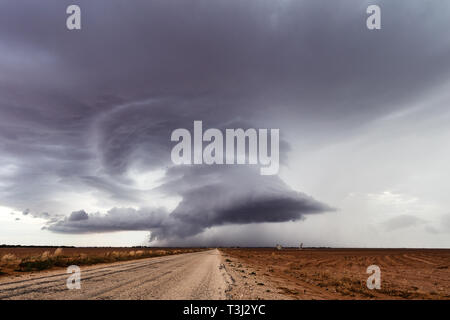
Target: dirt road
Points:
(186, 276)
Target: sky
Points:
(86, 118)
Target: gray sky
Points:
(86, 118)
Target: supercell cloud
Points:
(86, 116)
(210, 197)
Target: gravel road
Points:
(196, 275)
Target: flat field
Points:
(338, 273)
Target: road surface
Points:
(196, 275)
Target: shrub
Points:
(36, 265)
(9, 257)
(45, 255)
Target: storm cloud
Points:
(210, 197)
(86, 116)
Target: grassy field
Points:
(15, 260)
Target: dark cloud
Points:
(230, 195)
(116, 219)
(210, 197)
(42, 215)
(79, 110)
(78, 215)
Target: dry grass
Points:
(58, 252)
(9, 259)
(27, 259)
